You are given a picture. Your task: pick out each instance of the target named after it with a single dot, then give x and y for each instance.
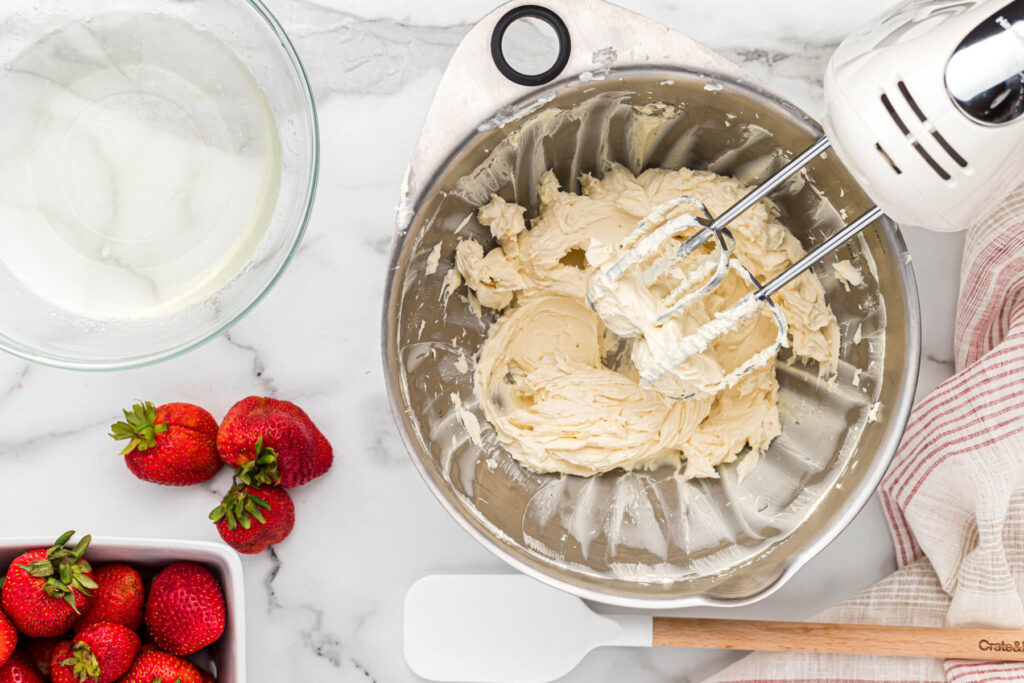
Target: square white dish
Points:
(151, 555)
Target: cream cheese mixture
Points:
(561, 390)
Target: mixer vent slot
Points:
(943, 173)
(888, 159)
(898, 120)
(953, 154)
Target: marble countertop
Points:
(326, 604)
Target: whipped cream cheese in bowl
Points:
(628, 95)
(159, 162)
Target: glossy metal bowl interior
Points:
(649, 549)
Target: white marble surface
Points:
(327, 604)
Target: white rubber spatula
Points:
(513, 629)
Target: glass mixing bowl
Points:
(159, 162)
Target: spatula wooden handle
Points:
(786, 636)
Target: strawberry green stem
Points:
(240, 508)
(65, 571)
(262, 470)
(83, 663)
(139, 428)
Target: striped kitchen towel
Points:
(954, 495)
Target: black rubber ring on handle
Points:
(552, 20)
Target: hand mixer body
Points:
(925, 106)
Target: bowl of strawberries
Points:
(112, 610)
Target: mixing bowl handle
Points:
(480, 91)
(561, 34)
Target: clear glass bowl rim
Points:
(309, 104)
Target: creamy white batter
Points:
(543, 377)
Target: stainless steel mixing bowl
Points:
(640, 539)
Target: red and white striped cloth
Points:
(954, 495)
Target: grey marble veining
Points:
(326, 604)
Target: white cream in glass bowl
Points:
(159, 162)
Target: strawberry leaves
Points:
(83, 663)
(139, 428)
(261, 470)
(240, 507)
(65, 571)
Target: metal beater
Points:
(935, 139)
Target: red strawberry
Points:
(175, 444)
(20, 669)
(153, 665)
(185, 611)
(250, 519)
(100, 653)
(272, 442)
(8, 639)
(119, 599)
(61, 651)
(47, 590)
(40, 651)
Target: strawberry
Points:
(101, 653)
(185, 611)
(119, 598)
(153, 665)
(20, 669)
(8, 639)
(61, 651)
(174, 445)
(47, 590)
(273, 442)
(251, 519)
(40, 651)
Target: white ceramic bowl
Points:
(227, 656)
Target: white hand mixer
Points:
(924, 106)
